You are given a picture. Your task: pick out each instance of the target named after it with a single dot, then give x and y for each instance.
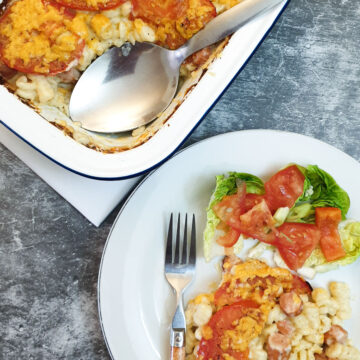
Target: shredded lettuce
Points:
(281, 215)
(258, 249)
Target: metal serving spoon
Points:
(120, 93)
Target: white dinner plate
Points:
(135, 301)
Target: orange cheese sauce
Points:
(35, 31)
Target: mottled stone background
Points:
(305, 78)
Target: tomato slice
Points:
(229, 209)
(90, 5)
(284, 188)
(296, 241)
(221, 321)
(327, 220)
(230, 237)
(155, 11)
(223, 296)
(258, 223)
(35, 38)
(179, 19)
(251, 200)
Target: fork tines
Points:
(183, 254)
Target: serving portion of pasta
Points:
(259, 312)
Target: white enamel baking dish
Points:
(52, 143)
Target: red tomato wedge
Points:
(221, 321)
(327, 220)
(45, 46)
(284, 188)
(229, 209)
(258, 223)
(296, 241)
(90, 5)
(230, 236)
(251, 200)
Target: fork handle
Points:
(177, 342)
(177, 353)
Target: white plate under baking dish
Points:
(135, 301)
(50, 141)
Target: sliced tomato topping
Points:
(284, 188)
(230, 237)
(178, 20)
(222, 320)
(223, 296)
(90, 5)
(155, 11)
(35, 38)
(229, 209)
(258, 223)
(296, 241)
(300, 286)
(327, 220)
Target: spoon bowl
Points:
(123, 89)
(148, 71)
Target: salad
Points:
(299, 214)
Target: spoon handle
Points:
(226, 23)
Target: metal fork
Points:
(179, 271)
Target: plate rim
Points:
(146, 178)
(167, 154)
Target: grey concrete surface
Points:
(304, 78)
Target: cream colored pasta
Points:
(320, 311)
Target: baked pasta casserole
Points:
(46, 44)
(259, 312)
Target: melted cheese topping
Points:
(259, 282)
(78, 25)
(246, 329)
(35, 31)
(99, 23)
(175, 32)
(250, 280)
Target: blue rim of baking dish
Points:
(167, 157)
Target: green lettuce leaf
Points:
(326, 192)
(308, 189)
(226, 185)
(303, 213)
(320, 190)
